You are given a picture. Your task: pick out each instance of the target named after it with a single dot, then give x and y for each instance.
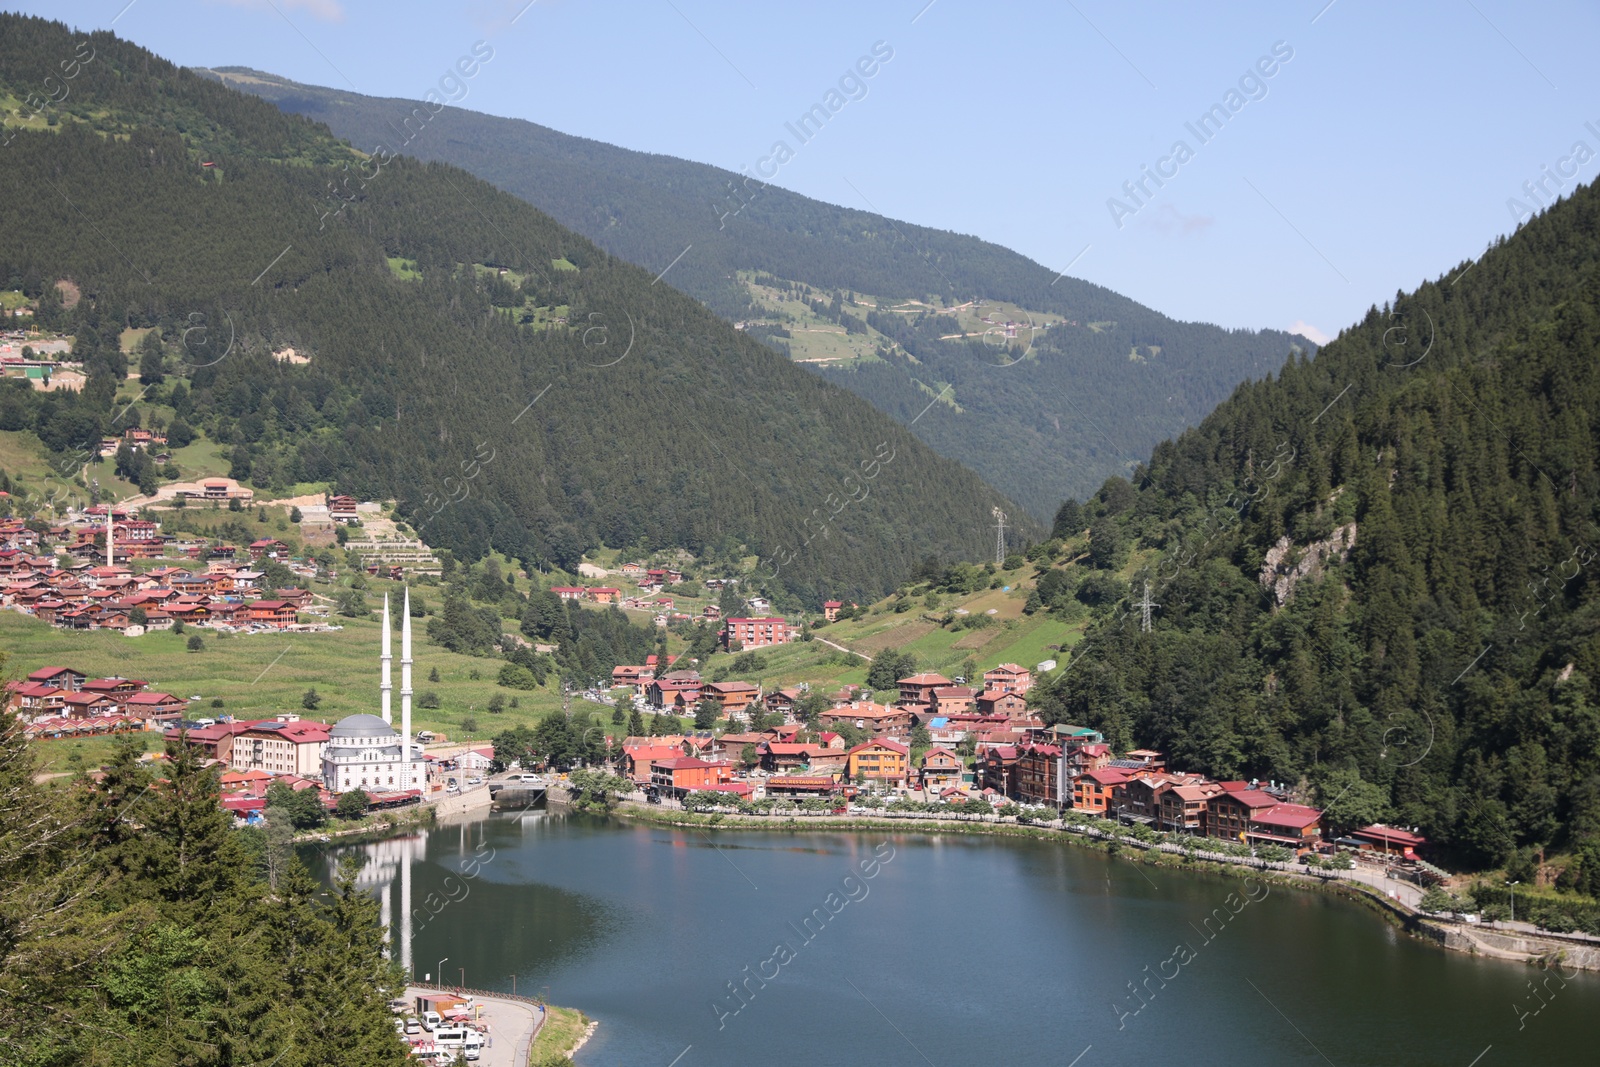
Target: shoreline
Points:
(1528, 949)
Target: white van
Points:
(431, 1020)
(457, 1036)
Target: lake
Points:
(819, 949)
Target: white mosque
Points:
(364, 751)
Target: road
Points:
(513, 1024)
(841, 648)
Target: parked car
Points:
(431, 1021)
(475, 780)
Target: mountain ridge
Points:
(438, 313)
(1020, 412)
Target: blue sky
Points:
(1383, 151)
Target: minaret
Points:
(385, 679)
(405, 693)
(111, 537)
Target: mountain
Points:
(1376, 571)
(877, 305)
(403, 329)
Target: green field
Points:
(261, 675)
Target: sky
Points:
(1366, 147)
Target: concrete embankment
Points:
(472, 800)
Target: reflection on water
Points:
(963, 949)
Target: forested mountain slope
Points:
(1035, 428)
(1384, 562)
(512, 384)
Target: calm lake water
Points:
(944, 950)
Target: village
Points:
(77, 575)
(939, 742)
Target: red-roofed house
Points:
(1183, 808)
(1001, 703)
(1041, 776)
(1389, 839)
(1092, 791)
(156, 706)
(950, 700)
(60, 677)
(866, 715)
(87, 705)
(1009, 678)
(997, 769)
(755, 633)
(270, 547)
(918, 689)
(636, 760)
(880, 761)
(1293, 826)
(35, 700)
(684, 774)
(285, 745)
(275, 613)
(1229, 813)
(940, 769)
(732, 697)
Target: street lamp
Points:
(441, 969)
(1511, 886)
(463, 977)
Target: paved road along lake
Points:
(918, 949)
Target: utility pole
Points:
(999, 536)
(1145, 605)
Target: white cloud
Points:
(325, 10)
(1309, 332)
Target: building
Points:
(1001, 703)
(755, 632)
(831, 608)
(732, 697)
(997, 769)
(1387, 839)
(278, 614)
(1009, 678)
(678, 775)
(60, 677)
(941, 769)
(342, 509)
(156, 707)
(219, 489)
(1183, 808)
(950, 700)
(364, 751)
(638, 760)
(918, 689)
(1093, 791)
(284, 745)
(1229, 813)
(1041, 776)
(213, 742)
(878, 719)
(885, 762)
(1293, 826)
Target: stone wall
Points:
(471, 800)
(1509, 945)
